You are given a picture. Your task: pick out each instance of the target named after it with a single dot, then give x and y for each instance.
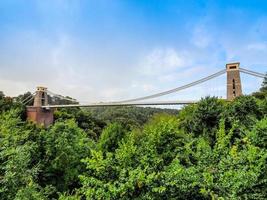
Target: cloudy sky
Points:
(101, 50)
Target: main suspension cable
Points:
(27, 98)
(200, 81)
(25, 103)
(261, 74)
(61, 97)
(176, 89)
(249, 72)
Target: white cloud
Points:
(160, 61)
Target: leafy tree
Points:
(203, 118)
(64, 145)
(18, 169)
(111, 137)
(6, 103)
(258, 135)
(243, 110)
(263, 107)
(91, 125)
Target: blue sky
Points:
(100, 50)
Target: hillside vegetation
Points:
(211, 150)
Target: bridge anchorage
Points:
(43, 114)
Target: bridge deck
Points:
(110, 104)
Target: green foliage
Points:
(69, 197)
(40, 162)
(168, 164)
(203, 118)
(243, 110)
(258, 135)
(128, 117)
(64, 145)
(134, 169)
(211, 150)
(31, 192)
(18, 171)
(110, 137)
(263, 106)
(229, 170)
(128, 172)
(207, 115)
(91, 125)
(6, 103)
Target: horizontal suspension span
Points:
(110, 104)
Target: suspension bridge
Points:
(42, 112)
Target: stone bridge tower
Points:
(36, 113)
(234, 87)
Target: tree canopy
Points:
(210, 150)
